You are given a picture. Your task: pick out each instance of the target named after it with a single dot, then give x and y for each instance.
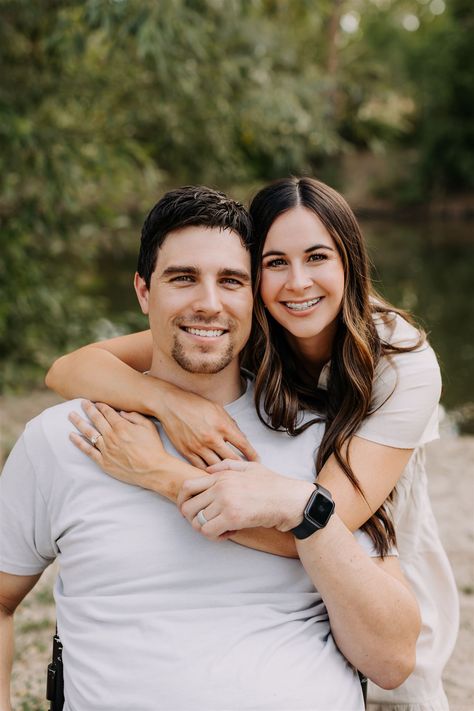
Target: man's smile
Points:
(204, 332)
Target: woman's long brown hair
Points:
(282, 387)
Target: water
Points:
(425, 267)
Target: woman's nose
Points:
(298, 278)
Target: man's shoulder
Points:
(56, 414)
(52, 425)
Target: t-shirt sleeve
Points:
(405, 397)
(366, 543)
(26, 546)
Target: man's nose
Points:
(207, 299)
(298, 278)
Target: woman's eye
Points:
(316, 257)
(275, 263)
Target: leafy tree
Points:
(103, 103)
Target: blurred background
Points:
(105, 104)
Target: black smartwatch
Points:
(316, 514)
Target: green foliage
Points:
(62, 172)
(105, 102)
(442, 63)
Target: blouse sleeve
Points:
(405, 397)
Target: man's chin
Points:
(202, 363)
(203, 367)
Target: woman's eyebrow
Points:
(319, 246)
(274, 252)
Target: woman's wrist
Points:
(156, 395)
(168, 477)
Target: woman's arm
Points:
(112, 371)
(374, 616)
(95, 370)
(377, 468)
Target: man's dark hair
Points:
(189, 206)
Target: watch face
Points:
(320, 509)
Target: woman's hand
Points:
(201, 430)
(127, 446)
(236, 495)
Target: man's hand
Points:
(237, 495)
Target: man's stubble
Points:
(195, 364)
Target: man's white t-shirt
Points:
(153, 616)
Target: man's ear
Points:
(142, 291)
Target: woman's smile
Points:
(303, 307)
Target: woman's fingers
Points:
(226, 450)
(237, 439)
(196, 461)
(136, 419)
(85, 446)
(96, 416)
(209, 457)
(84, 427)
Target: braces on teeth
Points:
(303, 306)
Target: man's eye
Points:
(183, 277)
(231, 282)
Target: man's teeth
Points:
(207, 333)
(303, 305)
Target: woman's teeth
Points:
(302, 306)
(204, 332)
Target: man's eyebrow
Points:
(274, 252)
(175, 269)
(180, 269)
(235, 274)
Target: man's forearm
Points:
(374, 616)
(267, 540)
(6, 658)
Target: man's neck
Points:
(222, 388)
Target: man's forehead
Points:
(203, 248)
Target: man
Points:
(151, 614)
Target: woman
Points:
(325, 341)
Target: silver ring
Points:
(201, 518)
(95, 439)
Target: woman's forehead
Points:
(297, 229)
